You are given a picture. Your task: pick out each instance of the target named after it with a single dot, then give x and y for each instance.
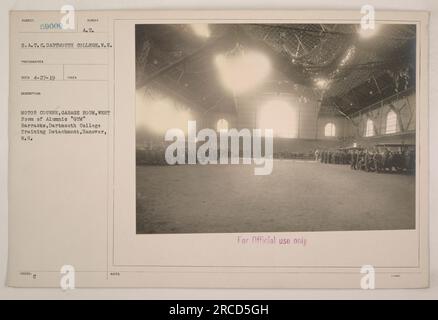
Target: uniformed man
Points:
(353, 159)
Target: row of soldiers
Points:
(370, 160)
(335, 157)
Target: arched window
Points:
(391, 122)
(330, 130)
(370, 128)
(222, 125)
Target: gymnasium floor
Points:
(297, 196)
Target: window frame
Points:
(332, 129)
(226, 122)
(369, 126)
(394, 119)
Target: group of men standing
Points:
(370, 160)
(333, 156)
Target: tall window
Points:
(391, 122)
(370, 128)
(222, 125)
(330, 130)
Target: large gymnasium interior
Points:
(340, 99)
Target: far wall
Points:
(405, 108)
(311, 126)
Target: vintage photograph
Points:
(275, 127)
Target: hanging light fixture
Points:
(322, 83)
(242, 70)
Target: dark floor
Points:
(298, 196)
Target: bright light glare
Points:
(159, 115)
(242, 72)
(322, 83)
(368, 32)
(279, 116)
(201, 30)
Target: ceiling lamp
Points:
(202, 30)
(322, 83)
(243, 70)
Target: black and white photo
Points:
(326, 112)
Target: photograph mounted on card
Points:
(221, 149)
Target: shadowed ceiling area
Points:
(334, 63)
